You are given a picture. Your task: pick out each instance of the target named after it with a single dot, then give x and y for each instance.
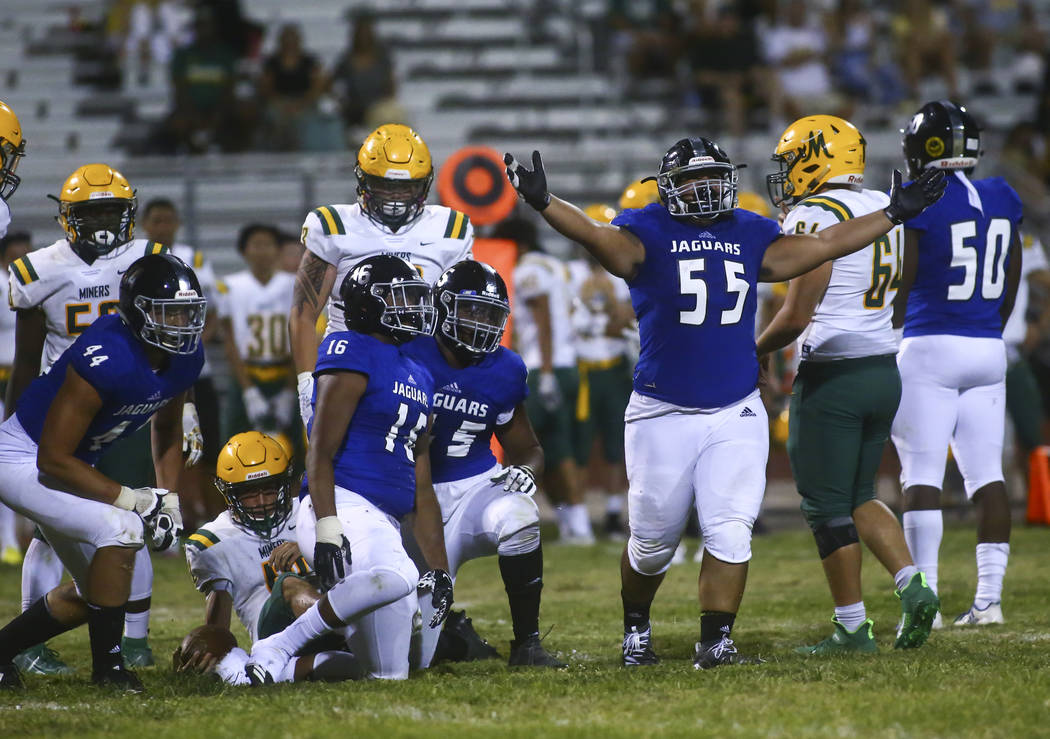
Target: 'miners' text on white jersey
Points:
(259, 315)
(853, 317)
(71, 292)
(223, 556)
(536, 275)
(342, 235)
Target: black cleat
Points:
(10, 679)
(638, 648)
(458, 642)
(530, 653)
(720, 652)
(118, 678)
(258, 675)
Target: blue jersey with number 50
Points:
(114, 362)
(468, 405)
(695, 299)
(960, 278)
(377, 458)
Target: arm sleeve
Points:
(315, 240)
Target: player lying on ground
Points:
(123, 370)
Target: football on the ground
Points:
(209, 638)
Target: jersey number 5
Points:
(690, 285)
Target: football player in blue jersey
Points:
(696, 430)
(480, 390)
(961, 269)
(120, 372)
(368, 466)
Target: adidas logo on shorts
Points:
(747, 413)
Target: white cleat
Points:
(938, 622)
(679, 554)
(990, 614)
(268, 661)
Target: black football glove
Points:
(908, 202)
(330, 563)
(440, 584)
(531, 184)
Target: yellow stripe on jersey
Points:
(829, 204)
(198, 259)
(155, 247)
(22, 271)
(331, 223)
(221, 287)
(456, 228)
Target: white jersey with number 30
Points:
(259, 316)
(853, 317)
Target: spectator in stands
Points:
(363, 79)
(925, 44)
(1030, 44)
(145, 33)
(290, 85)
(202, 75)
(646, 34)
(723, 55)
(241, 35)
(796, 48)
(1022, 166)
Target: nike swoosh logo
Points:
(121, 271)
(425, 243)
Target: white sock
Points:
(904, 576)
(41, 572)
(8, 536)
(363, 592)
(923, 531)
(136, 625)
(231, 667)
(852, 616)
(614, 504)
(991, 567)
(563, 514)
(302, 631)
(580, 521)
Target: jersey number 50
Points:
(993, 276)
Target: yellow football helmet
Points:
(394, 173)
(815, 151)
(96, 209)
(639, 194)
(12, 148)
(254, 475)
(600, 212)
(754, 203)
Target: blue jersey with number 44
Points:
(377, 457)
(114, 362)
(468, 405)
(960, 280)
(695, 299)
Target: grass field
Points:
(992, 682)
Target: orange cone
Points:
(1039, 486)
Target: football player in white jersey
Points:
(394, 173)
(12, 247)
(847, 388)
(56, 293)
(254, 311)
(12, 148)
(247, 560)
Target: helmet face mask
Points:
(255, 477)
(393, 203)
(384, 294)
(97, 227)
(473, 309)
(702, 190)
(408, 307)
(174, 325)
(162, 303)
(12, 149)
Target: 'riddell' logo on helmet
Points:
(101, 195)
(186, 294)
(256, 475)
(701, 160)
(397, 174)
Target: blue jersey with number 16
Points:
(695, 299)
(960, 278)
(468, 405)
(114, 362)
(377, 457)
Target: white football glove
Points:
(284, 408)
(305, 384)
(549, 391)
(256, 406)
(192, 438)
(144, 501)
(518, 478)
(166, 527)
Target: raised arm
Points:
(792, 255)
(619, 251)
(313, 285)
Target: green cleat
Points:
(919, 606)
(137, 653)
(42, 660)
(842, 642)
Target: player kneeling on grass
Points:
(247, 560)
(367, 470)
(480, 389)
(122, 370)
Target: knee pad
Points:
(514, 522)
(834, 534)
(729, 541)
(650, 556)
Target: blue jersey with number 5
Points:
(377, 458)
(960, 278)
(695, 299)
(468, 405)
(114, 362)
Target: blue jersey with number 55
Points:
(469, 404)
(695, 299)
(114, 362)
(964, 243)
(377, 458)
